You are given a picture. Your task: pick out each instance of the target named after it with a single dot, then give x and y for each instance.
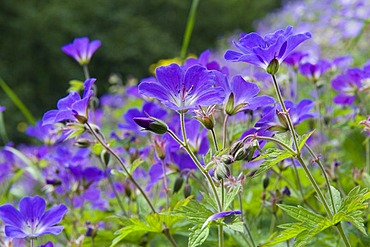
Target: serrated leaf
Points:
(230, 196)
(195, 212)
(197, 235)
(153, 223)
(208, 156)
(303, 139)
(337, 198)
(310, 219)
(291, 230)
(236, 226)
(272, 157)
(355, 219)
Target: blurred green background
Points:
(134, 35)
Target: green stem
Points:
(214, 138)
(165, 184)
(266, 138)
(189, 29)
(120, 161)
(183, 130)
(286, 113)
(86, 72)
(110, 180)
(200, 167)
(244, 219)
(224, 131)
(220, 236)
(318, 161)
(307, 171)
(343, 234)
(367, 145)
(22, 107)
(3, 134)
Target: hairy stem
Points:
(214, 138)
(120, 161)
(224, 131)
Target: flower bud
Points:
(265, 182)
(105, 157)
(208, 122)
(152, 124)
(235, 147)
(187, 190)
(222, 171)
(273, 67)
(82, 143)
(178, 184)
(229, 109)
(227, 159)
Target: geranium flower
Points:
(183, 90)
(81, 49)
(31, 220)
(273, 119)
(347, 85)
(72, 107)
(242, 95)
(314, 71)
(263, 51)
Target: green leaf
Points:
(75, 85)
(230, 196)
(152, 224)
(310, 219)
(351, 208)
(195, 212)
(290, 231)
(197, 235)
(272, 157)
(236, 226)
(336, 198)
(302, 140)
(135, 165)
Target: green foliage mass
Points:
(134, 34)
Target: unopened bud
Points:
(208, 122)
(105, 157)
(82, 143)
(152, 124)
(229, 109)
(265, 182)
(222, 171)
(187, 190)
(227, 159)
(273, 67)
(81, 119)
(178, 184)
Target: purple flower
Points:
(31, 220)
(72, 107)
(47, 244)
(295, 58)
(149, 108)
(314, 71)
(274, 120)
(262, 51)
(81, 49)
(347, 85)
(242, 95)
(182, 90)
(2, 108)
(224, 215)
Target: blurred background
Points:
(134, 35)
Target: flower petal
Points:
(32, 208)
(14, 232)
(11, 216)
(51, 217)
